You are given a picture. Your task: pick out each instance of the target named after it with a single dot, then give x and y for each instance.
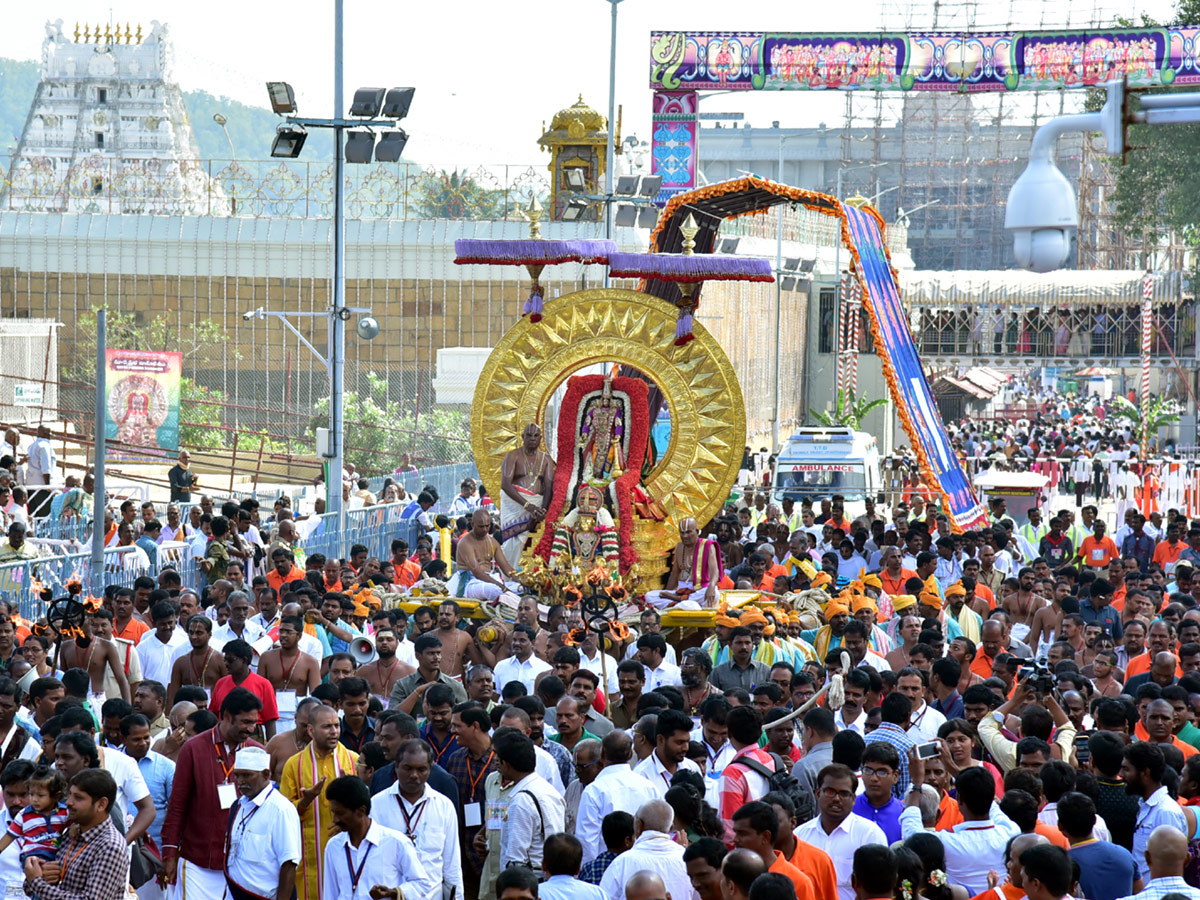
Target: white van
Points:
(818, 462)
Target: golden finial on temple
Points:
(128, 33)
(533, 212)
(108, 33)
(87, 34)
(139, 32)
(96, 33)
(77, 32)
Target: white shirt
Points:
(223, 634)
(1155, 889)
(131, 786)
(512, 669)
(655, 852)
(432, 825)
(840, 844)
(310, 644)
(265, 836)
(406, 653)
(598, 667)
(565, 887)
(874, 661)
(616, 789)
(547, 767)
(925, 723)
(859, 725)
(41, 461)
(664, 674)
(529, 823)
(386, 857)
(652, 769)
(972, 848)
(157, 657)
(11, 870)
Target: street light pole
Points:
(610, 151)
(337, 321)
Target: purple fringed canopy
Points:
(531, 252)
(681, 268)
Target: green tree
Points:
(1158, 188)
(848, 411)
(455, 195)
(1160, 413)
(200, 416)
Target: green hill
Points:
(250, 128)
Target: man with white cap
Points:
(428, 817)
(262, 837)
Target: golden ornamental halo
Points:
(694, 475)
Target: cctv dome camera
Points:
(368, 328)
(1042, 215)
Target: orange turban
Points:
(930, 598)
(956, 590)
(821, 580)
(768, 631)
(726, 621)
(861, 603)
(871, 580)
(835, 608)
(752, 614)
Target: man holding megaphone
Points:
(382, 672)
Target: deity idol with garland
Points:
(585, 537)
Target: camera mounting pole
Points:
(1042, 210)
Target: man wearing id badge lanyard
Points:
(304, 781)
(201, 797)
(262, 836)
(427, 817)
(365, 859)
(293, 673)
(470, 766)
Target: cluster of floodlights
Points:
(792, 269)
(641, 189)
(368, 104)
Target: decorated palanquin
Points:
(611, 521)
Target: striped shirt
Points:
(37, 833)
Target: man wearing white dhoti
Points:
(526, 483)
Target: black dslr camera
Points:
(1040, 678)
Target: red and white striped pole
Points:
(1147, 340)
(855, 325)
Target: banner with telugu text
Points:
(143, 398)
(940, 466)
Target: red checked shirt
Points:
(739, 785)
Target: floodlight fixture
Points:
(789, 283)
(575, 179)
(367, 102)
(289, 141)
(627, 185)
(807, 266)
(397, 102)
(390, 146)
(728, 245)
(647, 217)
(283, 99)
(359, 145)
(626, 215)
(574, 211)
(651, 184)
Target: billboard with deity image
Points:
(143, 398)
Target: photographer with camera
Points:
(1040, 716)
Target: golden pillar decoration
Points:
(77, 32)
(139, 33)
(87, 33)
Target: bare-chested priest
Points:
(526, 484)
(95, 656)
(481, 563)
(696, 569)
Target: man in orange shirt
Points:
(1158, 725)
(991, 645)
(1097, 549)
(813, 861)
(408, 571)
(892, 573)
(284, 570)
(1160, 639)
(1166, 554)
(755, 829)
(125, 625)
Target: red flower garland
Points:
(636, 425)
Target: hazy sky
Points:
(487, 74)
